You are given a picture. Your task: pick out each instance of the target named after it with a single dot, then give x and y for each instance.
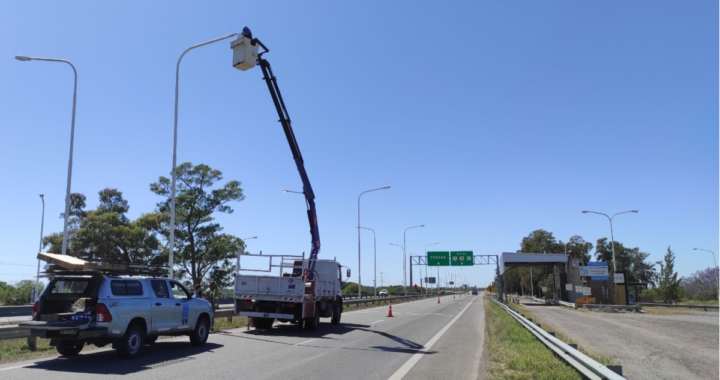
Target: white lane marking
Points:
(307, 341)
(20, 366)
(402, 371)
(382, 320)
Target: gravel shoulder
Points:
(682, 346)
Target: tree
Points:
(669, 288)
(200, 247)
(106, 234)
(540, 241)
(702, 285)
(578, 248)
(631, 260)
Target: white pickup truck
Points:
(289, 296)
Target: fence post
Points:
(32, 343)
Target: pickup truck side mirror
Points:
(348, 272)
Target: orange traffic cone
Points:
(438, 299)
(390, 310)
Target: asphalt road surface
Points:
(678, 346)
(424, 340)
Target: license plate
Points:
(68, 332)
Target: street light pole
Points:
(42, 224)
(426, 259)
(171, 242)
(404, 260)
(403, 249)
(72, 138)
(374, 260)
(715, 271)
(358, 223)
(612, 239)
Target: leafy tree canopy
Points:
(201, 249)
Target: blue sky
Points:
(489, 120)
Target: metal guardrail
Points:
(581, 362)
(619, 307)
(705, 307)
(16, 311)
(568, 304)
(367, 301)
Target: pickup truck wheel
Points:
(69, 348)
(200, 335)
(131, 342)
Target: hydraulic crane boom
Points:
(271, 82)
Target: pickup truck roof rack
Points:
(52, 270)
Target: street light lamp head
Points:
(42, 195)
(386, 187)
(22, 58)
(635, 211)
(585, 212)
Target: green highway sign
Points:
(461, 258)
(438, 259)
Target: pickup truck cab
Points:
(86, 307)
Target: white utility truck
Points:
(305, 289)
(292, 296)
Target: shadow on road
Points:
(108, 363)
(323, 331)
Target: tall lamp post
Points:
(715, 272)
(358, 223)
(426, 259)
(171, 242)
(404, 261)
(72, 138)
(374, 260)
(42, 224)
(612, 240)
(403, 249)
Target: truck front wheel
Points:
(200, 335)
(336, 313)
(69, 348)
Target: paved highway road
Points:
(424, 340)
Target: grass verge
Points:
(604, 360)
(516, 354)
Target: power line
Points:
(19, 265)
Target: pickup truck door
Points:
(184, 315)
(163, 307)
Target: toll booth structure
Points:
(511, 260)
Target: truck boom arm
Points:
(271, 82)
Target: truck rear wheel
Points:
(69, 348)
(131, 342)
(312, 323)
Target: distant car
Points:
(474, 292)
(383, 293)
